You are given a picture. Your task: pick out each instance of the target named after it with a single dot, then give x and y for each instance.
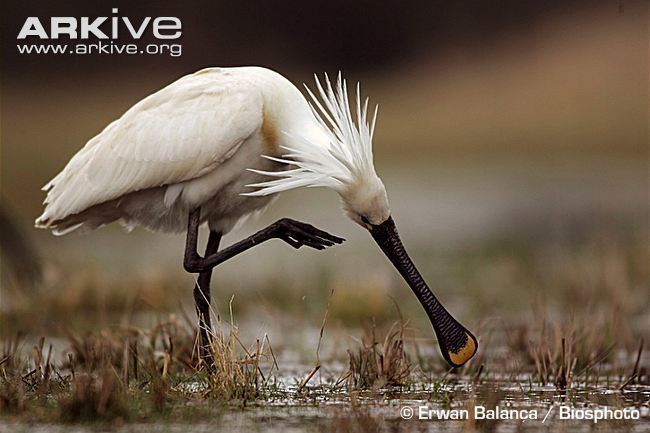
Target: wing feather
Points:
(179, 133)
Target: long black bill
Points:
(457, 344)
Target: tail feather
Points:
(90, 219)
(65, 230)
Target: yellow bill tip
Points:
(465, 353)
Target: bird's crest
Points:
(343, 160)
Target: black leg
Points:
(295, 233)
(202, 303)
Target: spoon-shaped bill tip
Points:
(465, 353)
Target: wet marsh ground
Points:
(562, 320)
(144, 379)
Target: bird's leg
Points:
(295, 233)
(202, 303)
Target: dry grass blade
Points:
(308, 378)
(635, 371)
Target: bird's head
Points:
(334, 149)
(365, 202)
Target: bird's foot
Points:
(297, 234)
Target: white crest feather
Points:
(346, 157)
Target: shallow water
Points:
(320, 409)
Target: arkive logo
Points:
(83, 27)
(106, 31)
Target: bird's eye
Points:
(365, 220)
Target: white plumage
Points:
(200, 141)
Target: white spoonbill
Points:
(216, 145)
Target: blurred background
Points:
(512, 137)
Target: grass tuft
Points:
(375, 365)
(95, 397)
(237, 372)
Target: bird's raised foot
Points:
(297, 234)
